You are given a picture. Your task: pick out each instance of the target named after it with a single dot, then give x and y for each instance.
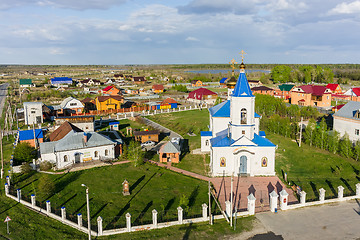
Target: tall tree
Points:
(281, 74)
(309, 132)
(345, 146)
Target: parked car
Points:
(148, 144)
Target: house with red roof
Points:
(111, 90)
(158, 88)
(335, 88)
(202, 95)
(311, 95)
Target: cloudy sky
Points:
(178, 31)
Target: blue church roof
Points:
(29, 134)
(242, 88)
(224, 141)
(262, 142)
(206, 133)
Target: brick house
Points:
(33, 136)
(196, 83)
(263, 90)
(169, 152)
(283, 91)
(311, 95)
(111, 90)
(335, 88)
(158, 88)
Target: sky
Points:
(120, 32)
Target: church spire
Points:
(242, 88)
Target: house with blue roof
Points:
(56, 81)
(32, 136)
(235, 144)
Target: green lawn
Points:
(151, 188)
(312, 168)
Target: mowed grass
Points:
(312, 168)
(151, 188)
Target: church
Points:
(235, 144)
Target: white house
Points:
(347, 120)
(33, 113)
(77, 147)
(234, 141)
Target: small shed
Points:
(170, 152)
(114, 125)
(144, 136)
(33, 136)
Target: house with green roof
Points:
(283, 91)
(26, 82)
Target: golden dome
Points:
(242, 65)
(231, 82)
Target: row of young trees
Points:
(304, 74)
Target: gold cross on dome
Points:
(242, 55)
(232, 64)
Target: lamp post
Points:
(88, 209)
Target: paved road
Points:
(3, 93)
(330, 221)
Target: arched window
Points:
(96, 154)
(207, 143)
(243, 116)
(66, 158)
(106, 152)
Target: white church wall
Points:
(205, 143)
(219, 124)
(347, 126)
(257, 124)
(257, 168)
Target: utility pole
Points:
(2, 156)
(300, 131)
(231, 200)
(210, 220)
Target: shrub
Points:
(26, 168)
(46, 186)
(45, 166)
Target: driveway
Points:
(330, 221)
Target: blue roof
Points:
(242, 88)
(59, 80)
(262, 134)
(221, 141)
(206, 133)
(262, 142)
(257, 115)
(221, 110)
(113, 123)
(223, 80)
(29, 134)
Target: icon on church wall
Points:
(264, 162)
(222, 162)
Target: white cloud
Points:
(346, 8)
(56, 51)
(193, 39)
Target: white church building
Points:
(234, 141)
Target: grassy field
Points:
(312, 168)
(151, 188)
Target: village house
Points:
(311, 95)
(110, 81)
(85, 123)
(283, 91)
(112, 91)
(347, 120)
(64, 81)
(144, 136)
(26, 83)
(196, 83)
(263, 90)
(334, 88)
(89, 104)
(254, 83)
(62, 131)
(69, 106)
(139, 80)
(33, 113)
(108, 102)
(202, 95)
(89, 82)
(158, 88)
(32, 136)
(119, 76)
(77, 147)
(167, 103)
(169, 152)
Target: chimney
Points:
(85, 137)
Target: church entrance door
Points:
(77, 157)
(243, 165)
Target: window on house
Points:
(106, 152)
(66, 158)
(243, 132)
(357, 132)
(33, 112)
(243, 116)
(96, 154)
(73, 104)
(207, 143)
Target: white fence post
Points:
(33, 200)
(128, 222)
(302, 198)
(79, 218)
(204, 211)
(273, 200)
(251, 204)
(63, 213)
(100, 227)
(19, 194)
(358, 189)
(154, 217)
(340, 192)
(283, 199)
(48, 206)
(322, 195)
(8, 180)
(180, 214)
(6, 189)
(228, 208)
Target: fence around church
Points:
(160, 220)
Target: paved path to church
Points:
(261, 187)
(329, 221)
